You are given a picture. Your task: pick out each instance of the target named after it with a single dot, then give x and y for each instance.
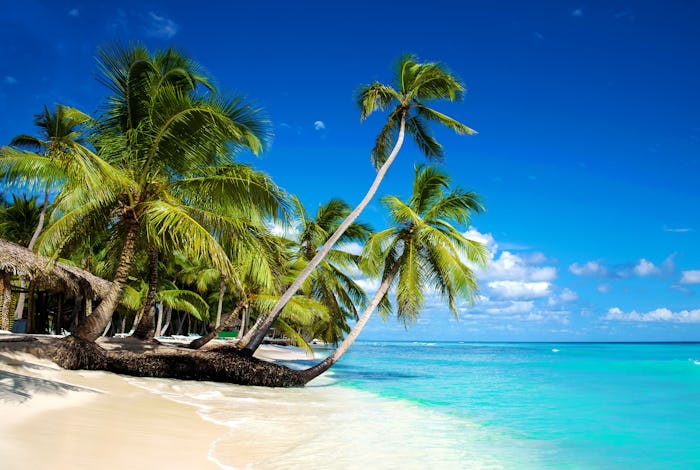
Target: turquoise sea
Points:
(542, 405)
(401, 405)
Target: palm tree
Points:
(19, 219)
(421, 252)
(157, 134)
(60, 137)
(331, 285)
(415, 84)
(6, 293)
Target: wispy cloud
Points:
(74, 12)
(567, 295)
(677, 230)
(589, 268)
(658, 315)
(577, 12)
(624, 14)
(160, 26)
(641, 268)
(319, 125)
(8, 80)
(691, 277)
(538, 35)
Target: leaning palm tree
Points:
(158, 137)
(415, 84)
(422, 252)
(60, 137)
(331, 283)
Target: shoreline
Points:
(100, 419)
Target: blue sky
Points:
(587, 156)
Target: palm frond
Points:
(29, 142)
(374, 97)
(386, 138)
(432, 115)
(184, 301)
(426, 143)
(171, 226)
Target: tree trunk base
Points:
(224, 364)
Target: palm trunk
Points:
(168, 318)
(31, 308)
(75, 313)
(313, 372)
(93, 325)
(254, 338)
(19, 310)
(199, 342)
(6, 291)
(245, 320)
(145, 329)
(219, 307)
(58, 318)
(159, 321)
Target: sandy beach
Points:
(54, 418)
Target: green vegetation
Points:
(149, 194)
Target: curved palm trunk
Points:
(19, 310)
(6, 292)
(313, 372)
(199, 342)
(145, 329)
(92, 327)
(254, 338)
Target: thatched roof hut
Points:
(51, 275)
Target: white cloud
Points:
(161, 27)
(509, 266)
(645, 268)
(519, 289)
(319, 125)
(485, 239)
(521, 306)
(641, 268)
(604, 288)
(691, 277)
(8, 80)
(369, 285)
(577, 12)
(74, 12)
(658, 315)
(538, 35)
(677, 230)
(590, 268)
(279, 229)
(567, 295)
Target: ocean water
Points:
(467, 405)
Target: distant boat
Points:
(555, 350)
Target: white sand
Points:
(57, 419)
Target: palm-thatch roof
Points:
(51, 275)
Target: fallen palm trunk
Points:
(217, 365)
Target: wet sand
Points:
(58, 419)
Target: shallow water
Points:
(461, 405)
